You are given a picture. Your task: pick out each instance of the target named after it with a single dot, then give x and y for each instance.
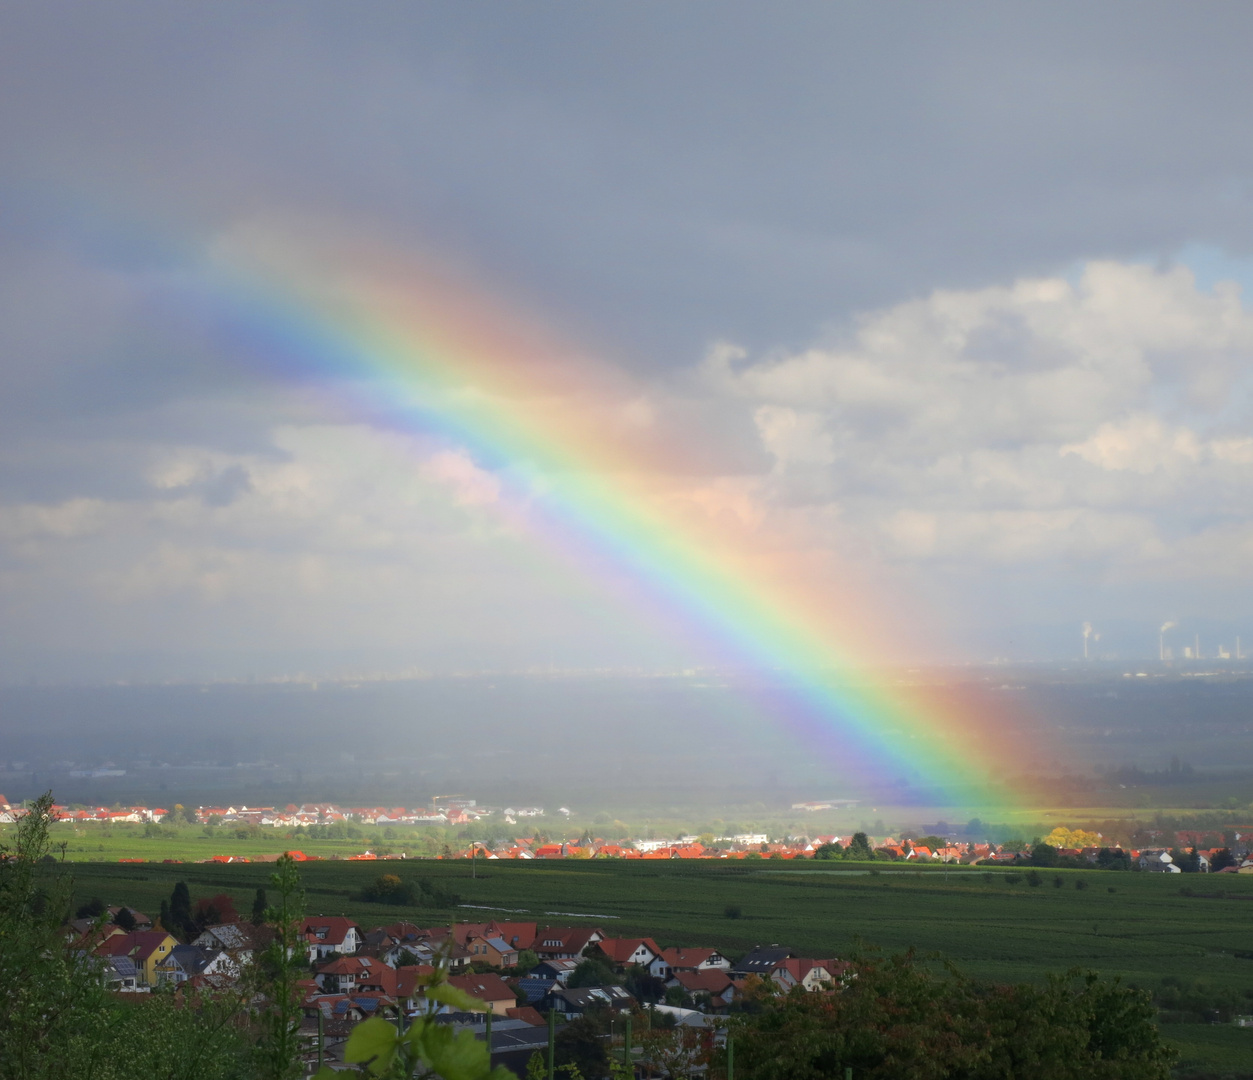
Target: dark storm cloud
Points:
(665, 173)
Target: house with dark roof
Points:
(573, 1003)
(534, 990)
(760, 961)
(120, 974)
(239, 939)
(185, 962)
(554, 970)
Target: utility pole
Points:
(552, 1044)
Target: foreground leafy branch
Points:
(427, 1048)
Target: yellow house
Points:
(145, 948)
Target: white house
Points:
(327, 934)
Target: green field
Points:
(1212, 1050)
(1143, 930)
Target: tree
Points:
(214, 910)
(1221, 859)
(859, 848)
(1043, 854)
(828, 851)
(1062, 837)
(592, 971)
(48, 995)
(93, 909)
(259, 904)
(581, 1044)
(643, 986)
(677, 1052)
(1113, 859)
(125, 919)
(898, 1018)
(180, 911)
(282, 966)
(390, 889)
(57, 1020)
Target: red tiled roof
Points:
(521, 935)
(620, 950)
(407, 979)
(336, 926)
(489, 987)
(689, 959)
(703, 982)
(571, 938)
(138, 944)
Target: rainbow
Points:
(439, 359)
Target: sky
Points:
(949, 303)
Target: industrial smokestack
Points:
(1169, 624)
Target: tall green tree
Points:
(859, 847)
(281, 966)
(259, 906)
(181, 923)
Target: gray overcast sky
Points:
(953, 290)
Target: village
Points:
(527, 978)
(1180, 851)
